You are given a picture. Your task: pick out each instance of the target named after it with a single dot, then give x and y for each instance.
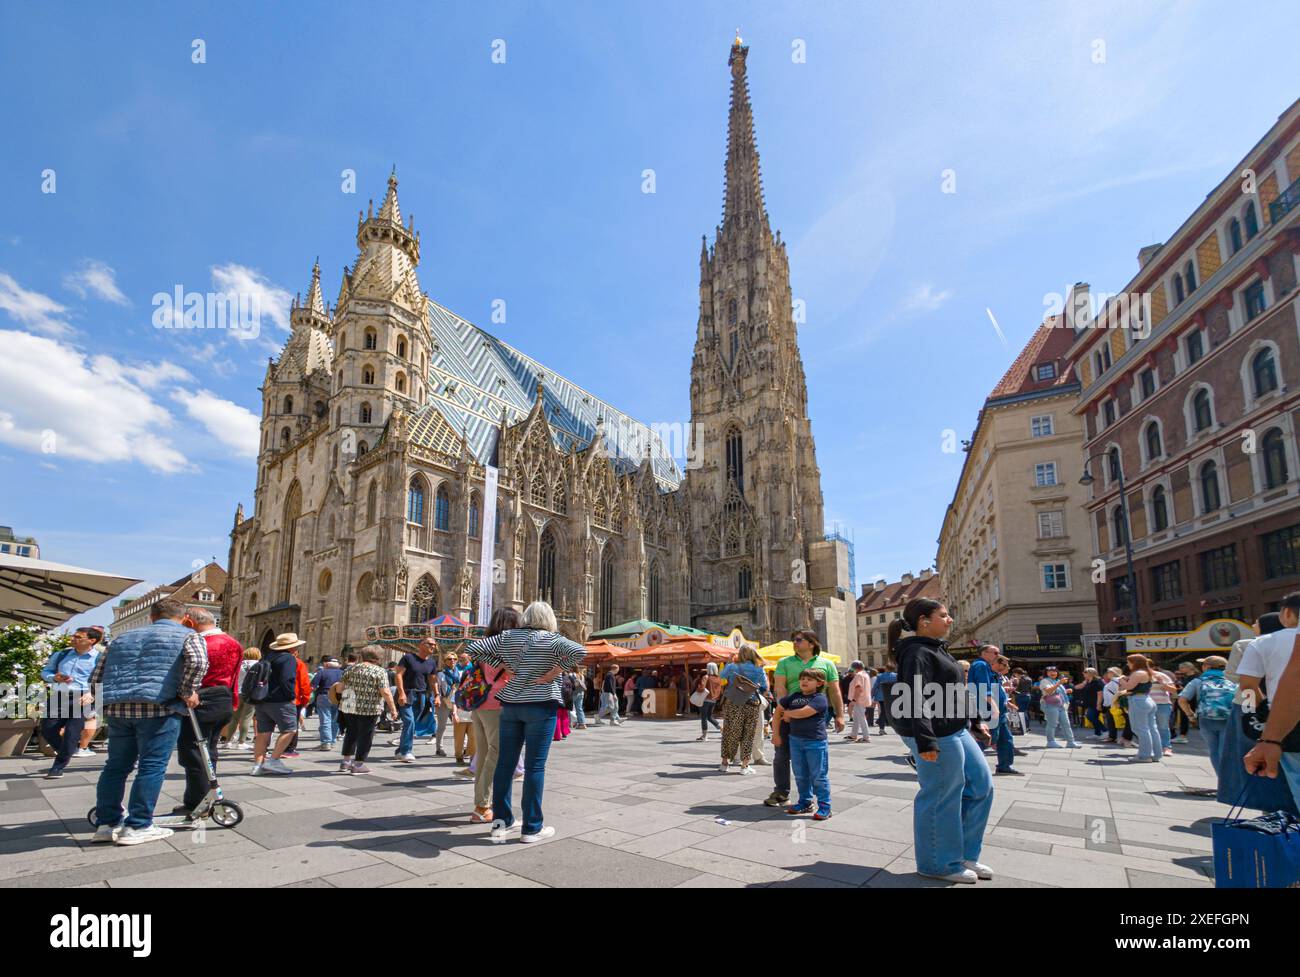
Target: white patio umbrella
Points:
(48, 594)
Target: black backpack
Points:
(257, 682)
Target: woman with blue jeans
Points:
(1056, 709)
(535, 655)
(934, 719)
(1142, 713)
(1162, 689)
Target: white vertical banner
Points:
(487, 553)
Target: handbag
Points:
(1016, 723)
(740, 689)
(1259, 853)
(697, 698)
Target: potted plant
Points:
(24, 649)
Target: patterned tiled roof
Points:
(473, 375)
(898, 594)
(1049, 344)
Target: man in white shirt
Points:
(1267, 657)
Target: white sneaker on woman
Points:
(965, 876)
(546, 832)
(981, 870)
(501, 831)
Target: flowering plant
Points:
(24, 650)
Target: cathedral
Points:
(389, 423)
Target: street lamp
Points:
(1131, 588)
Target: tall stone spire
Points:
(389, 210)
(314, 300)
(743, 197)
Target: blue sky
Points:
(1076, 134)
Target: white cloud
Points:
(96, 278)
(924, 299)
(234, 426)
(32, 309)
(61, 403)
(272, 301)
(148, 375)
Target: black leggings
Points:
(358, 732)
(706, 716)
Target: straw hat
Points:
(283, 642)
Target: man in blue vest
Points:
(148, 676)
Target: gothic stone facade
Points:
(381, 414)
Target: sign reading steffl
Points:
(1217, 635)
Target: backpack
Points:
(257, 682)
(1214, 697)
(739, 689)
(567, 689)
(473, 689)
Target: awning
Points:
(771, 654)
(48, 594)
(677, 651)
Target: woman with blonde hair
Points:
(235, 735)
(744, 681)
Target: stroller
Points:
(215, 806)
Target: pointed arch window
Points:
(473, 516)
(372, 498)
(1264, 370)
(401, 383)
(366, 414)
(1159, 509)
(599, 513)
(616, 519)
(731, 312)
(368, 375)
(735, 345)
(415, 501)
(442, 509)
(546, 568)
(537, 491)
(288, 404)
(424, 600)
(284, 438)
(1274, 451)
(744, 583)
(372, 339)
(401, 346)
(362, 448)
(653, 594)
(343, 341)
(1209, 478)
(559, 501)
(607, 584)
(736, 459)
(1155, 447)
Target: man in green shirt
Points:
(807, 654)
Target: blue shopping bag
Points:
(1257, 853)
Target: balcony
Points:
(1284, 204)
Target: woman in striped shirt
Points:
(535, 656)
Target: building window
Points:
(1159, 509)
(1189, 276)
(288, 405)
(1120, 534)
(442, 509)
(1113, 466)
(546, 568)
(1045, 473)
(736, 459)
(1249, 220)
(1056, 576)
(731, 312)
(1171, 624)
(1046, 371)
(1122, 593)
(366, 414)
(653, 594)
(343, 341)
(1040, 427)
(401, 383)
(368, 375)
(424, 600)
(372, 340)
(401, 346)
(473, 517)
(362, 448)
(559, 501)
(1254, 296)
(1264, 370)
(607, 591)
(1147, 382)
(1195, 347)
(1202, 413)
(744, 581)
(1167, 581)
(1108, 412)
(1234, 235)
(1101, 359)
(1179, 294)
(1275, 472)
(1155, 447)
(415, 501)
(1281, 552)
(1051, 525)
(537, 493)
(1219, 568)
(1209, 478)
(372, 496)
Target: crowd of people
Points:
(508, 696)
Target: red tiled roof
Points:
(898, 594)
(1049, 343)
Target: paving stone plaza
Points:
(643, 805)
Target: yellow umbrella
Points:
(771, 654)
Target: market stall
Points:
(676, 655)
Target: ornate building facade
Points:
(383, 412)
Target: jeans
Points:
(811, 763)
(1005, 744)
(706, 716)
(1098, 724)
(579, 717)
(1058, 716)
(329, 720)
(608, 707)
(148, 742)
(1213, 730)
(64, 737)
(527, 728)
(1025, 703)
(952, 808)
(414, 708)
(781, 763)
(1163, 711)
(1291, 770)
(861, 724)
(1142, 717)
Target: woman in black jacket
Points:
(934, 717)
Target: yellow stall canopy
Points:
(771, 654)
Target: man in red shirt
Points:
(218, 698)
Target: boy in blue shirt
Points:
(804, 710)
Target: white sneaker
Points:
(747, 771)
(981, 870)
(256, 771)
(106, 833)
(407, 757)
(345, 766)
(546, 832)
(722, 767)
(86, 752)
(138, 836)
(965, 876)
(272, 765)
(501, 832)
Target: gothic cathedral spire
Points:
(742, 204)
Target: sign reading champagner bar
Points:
(1217, 635)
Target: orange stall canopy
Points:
(674, 651)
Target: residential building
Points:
(201, 588)
(18, 545)
(882, 602)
